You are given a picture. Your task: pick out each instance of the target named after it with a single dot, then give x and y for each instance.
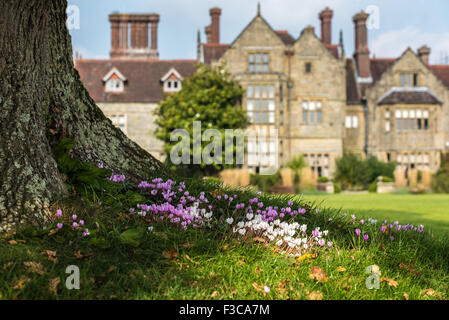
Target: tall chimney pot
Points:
(361, 54)
(326, 25)
(424, 53)
(215, 14)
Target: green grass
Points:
(431, 210)
(212, 263)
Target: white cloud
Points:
(394, 43)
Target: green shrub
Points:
(373, 187)
(440, 181)
(337, 187)
(355, 173)
(323, 179)
(264, 182)
(387, 179)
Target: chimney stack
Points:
(137, 44)
(215, 14)
(361, 54)
(326, 25)
(424, 53)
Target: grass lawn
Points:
(430, 210)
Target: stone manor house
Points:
(321, 102)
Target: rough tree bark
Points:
(42, 100)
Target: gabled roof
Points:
(143, 77)
(112, 72)
(333, 48)
(172, 71)
(415, 95)
(285, 37)
(442, 72)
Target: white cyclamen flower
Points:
(230, 220)
(242, 231)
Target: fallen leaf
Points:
(428, 292)
(257, 270)
(190, 259)
(318, 274)
(241, 262)
(410, 268)
(315, 295)
(214, 294)
(81, 256)
(111, 268)
(170, 254)
(53, 285)
(257, 287)
(260, 240)
(225, 247)
(406, 297)
(20, 283)
(52, 232)
(341, 269)
(35, 267)
(187, 244)
(390, 282)
(51, 255)
(375, 269)
(7, 265)
(13, 242)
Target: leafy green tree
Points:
(297, 164)
(211, 97)
(440, 181)
(352, 171)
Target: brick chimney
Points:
(215, 14)
(424, 53)
(361, 54)
(136, 45)
(326, 25)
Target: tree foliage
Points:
(209, 96)
(353, 171)
(440, 181)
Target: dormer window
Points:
(114, 81)
(172, 81)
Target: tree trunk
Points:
(42, 100)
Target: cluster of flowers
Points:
(117, 177)
(246, 218)
(387, 229)
(179, 207)
(292, 237)
(76, 225)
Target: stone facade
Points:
(323, 104)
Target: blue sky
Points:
(401, 23)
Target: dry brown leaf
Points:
(13, 242)
(225, 247)
(20, 283)
(53, 285)
(315, 295)
(406, 296)
(257, 287)
(318, 274)
(410, 268)
(187, 244)
(214, 294)
(170, 254)
(81, 256)
(35, 267)
(428, 292)
(111, 268)
(375, 269)
(7, 265)
(257, 270)
(390, 282)
(52, 232)
(241, 262)
(51, 255)
(260, 240)
(341, 269)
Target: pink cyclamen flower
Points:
(321, 242)
(59, 225)
(74, 217)
(362, 222)
(357, 232)
(59, 213)
(266, 289)
(81, 222)
(75, 225)
(329, 244)
(365, 237)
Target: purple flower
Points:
(59, 213)
(365, 237)
(357, 232)
(266, 289)
(321, 242)
(362, 222)
(391, 238)
(290, 203)
(59, 225)
(329, 244)
(382, 229)
(75, 225)
(74, 217)
(81, 222)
